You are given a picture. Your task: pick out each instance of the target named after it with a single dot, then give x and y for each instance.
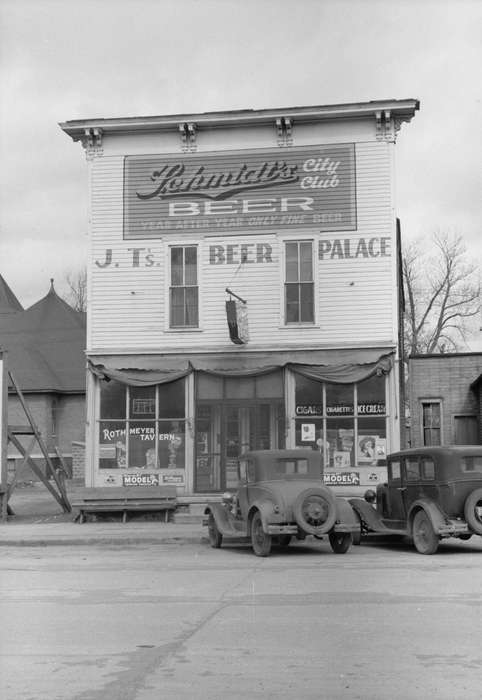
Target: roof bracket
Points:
(92, 142)
(386, 126)
(187, 132)
(284, 128)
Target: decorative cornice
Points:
(402, 110)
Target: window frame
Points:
(431, 401)
(314, 270)
(169, 287)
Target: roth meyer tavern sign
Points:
(230, 191)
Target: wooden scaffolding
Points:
(53, 479)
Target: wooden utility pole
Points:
(3, 434)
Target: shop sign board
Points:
(310, 186)
(313, 409)
(140, 480)
(342, 478)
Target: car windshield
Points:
(472, 463)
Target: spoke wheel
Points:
(315, 511)
(260, 540)
(425, 539)
(340, 541)
(473, 511)
(215, 537)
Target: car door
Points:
(394, 508)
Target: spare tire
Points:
(473, 511)
(315, 511)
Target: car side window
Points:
(412, 466)
(472, 463)
(242, 470)
(428, 469)
(394, 468)
(251, 470)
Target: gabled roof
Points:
(9, 304)
(46, 345)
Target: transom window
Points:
(184, 291)
(299, 285)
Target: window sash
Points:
(184, 291)
(299, 285)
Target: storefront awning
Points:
(343, 366)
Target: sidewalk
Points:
(40, 521)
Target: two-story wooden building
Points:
(243, 292)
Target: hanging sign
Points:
(310, 186)
(237, 317)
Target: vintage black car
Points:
(432, 493)
(281, 495)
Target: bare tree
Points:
(442, 295)
(76, 295)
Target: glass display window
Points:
(113, 400)
(339, 400)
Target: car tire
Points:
(356, 536)
(465, 536)
(283, 540)
(260, 540)
(340, 541)
(215, 537)
(315, 511)
(425, 538)
(472, 515)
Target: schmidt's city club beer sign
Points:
(262, 189)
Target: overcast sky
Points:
(64, 59)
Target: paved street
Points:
(145, 622)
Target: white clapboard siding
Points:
(354, 297)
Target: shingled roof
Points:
(45, 345)
(9, 304)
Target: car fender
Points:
(224, 520)
(345, 514)
(436, 515)
(266, 510)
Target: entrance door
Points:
(224, 431)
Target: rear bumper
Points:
(346, 527)
(282, 529)
(454, 528)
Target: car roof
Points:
(439, 450)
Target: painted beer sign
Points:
(263, 189)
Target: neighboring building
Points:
(445, 399)
(243, 292)
(45, 351)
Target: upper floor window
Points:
(431, 428)
(299, 285)
(183, 290)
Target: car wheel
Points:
(473, 511)
(215, 537)
(340, 541)
(465, 537)
(284, 540)
(356, 536)
(260, 540)
(425, 539)
(315, 511)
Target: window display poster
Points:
(308, 433)
(367, 449)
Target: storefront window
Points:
(151, 434)
(348, 427)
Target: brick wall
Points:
(446, 378)
(78, 460)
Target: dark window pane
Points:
(177, 255)
(191, 266)
(112, 399)
(177, 306)
(191, 311)
(307, 313)
(306, 262)
(171, 400)
(292, 262)
(142, 402)
(292, 303)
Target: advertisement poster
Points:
(308, 433)
(366, 449)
